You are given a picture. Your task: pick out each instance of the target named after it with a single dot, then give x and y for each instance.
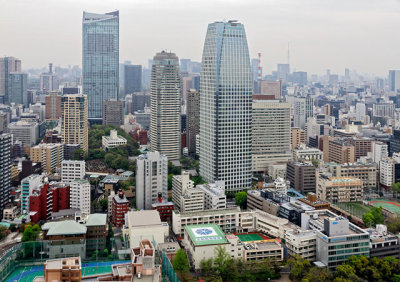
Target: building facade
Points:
(225, 107)
(74, 120)
(5, 170)
(113, 113)
(80, 195)
(193, 120)
(165, 124)
(100, 60)
(71, 170)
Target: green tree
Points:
(395, 188)
(180, 263)
(170, 176)
(393, 224)
(103, 204)
(368, 219)
(3, 232)
(299, 267)
(241, 199)
(314, 162)
(28, 235)
(172, 169)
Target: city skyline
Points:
(332, 35)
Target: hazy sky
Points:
(335, 34)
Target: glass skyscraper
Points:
(100, 60)
(225, 107)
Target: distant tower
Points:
(259, 67)
(288, 54)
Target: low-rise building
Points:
(304, 153)
(64, 269)
(145, 224)
(337, 238)
(339, 189)
(113, 141)
(366, 172)
(302, 176)
(383, 244)
(96, 234)
(10, 213)
(165, 210)
(302, 242)
(214, 195)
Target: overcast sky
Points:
(323, 34)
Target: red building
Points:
(140, 135)
(164, 209)
(47, 199)
(120, 206)
(183, 140)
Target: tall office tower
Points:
(225, 107)
(196, 82)
(271, 134)
(5, 170)
(254, 68)
(74, 120)
(80, 195)
(17, 88)
(113, 113)
(360, 111)
(7, 65)
(100, 60)
(192, 120)
(346, 75)
(283, 71)
(151, 179)
(53, 105)
(187, 84)
(132, 78)
(49, 81)
(165, 124)
(394, 80)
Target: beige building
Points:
(180, 184)
(74, 116)
(271, 88)
(367, 173)
(298, 136)
(340, 151)
(339, 189)
(64, 269)
(271, 133)
(302, 242)
(49, 155)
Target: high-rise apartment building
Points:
(192, 120)
(7, 66)
(303, 109)
(74, 120)
(151, 179)
(360, 111)
(394, 80)
(17, 88)
(80, 195)
(53, 105)
(71, 170)
(165, 124)
(225, 107)
(180, 184)
(133, 78)
(5, 170)
(49, 155)
(28, 184)
(298, 136)
(100, 60)
(113, 113)
(271, 133)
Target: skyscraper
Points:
(394, 80)
(165, 121)
(100, 60)
(17, 88)
(49, 81)
(225, 107)
(74, 120)
(7, 65)
(133, 78)
(192, 120)
(5, 170)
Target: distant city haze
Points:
(360, 35)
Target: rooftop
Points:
(143, 218)
(96, 219)
(206, 234)
(67, 227)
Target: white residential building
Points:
(25, 131)
(180, 184)
(379, 151)
(28, 184)
(80, 195)
(151, 179)
(113, 141)
(386, 169)
(214, 195)
(192, 200)
(360, 111)
(71, 170)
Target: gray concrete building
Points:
(113, 113)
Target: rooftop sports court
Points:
(251, 237)
(28, 273)
(387, 204)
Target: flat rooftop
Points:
(206, 234)
(144, 218)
